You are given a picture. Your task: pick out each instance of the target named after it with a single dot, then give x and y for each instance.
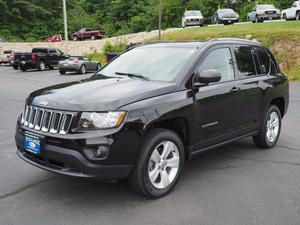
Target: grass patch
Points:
(97, 56)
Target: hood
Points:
(98, 93)
(193, 17)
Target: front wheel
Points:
(159, 165)
(270, 129)
(16, 67)
(93, 37)
(41, 66)
(23, 68)
(75, 38)
(62, 72)
(82, 69)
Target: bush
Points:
(119, 47)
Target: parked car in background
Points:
(292, 13)
(141, 117)
(225, 16)
(39, 58)
(54, 38)
(78, 64)
(263, 12)
(87, 33)
(5, 56)
(192, 18)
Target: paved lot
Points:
(239, 184)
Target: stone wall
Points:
(81, 47)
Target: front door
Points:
(215, 105)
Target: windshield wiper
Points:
(132, 75)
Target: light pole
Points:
(159, 19)
(66, 25)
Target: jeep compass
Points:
(152, 108)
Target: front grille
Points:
(271, 12)
(46, 120)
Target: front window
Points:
(220, 60)
(262, 7)
(154, 63)
(193, 13)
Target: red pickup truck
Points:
(87, 33)
(54, 38)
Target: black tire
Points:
(51, 67)
(261, 139)
(16, 67)
(93, 37)
(41, 66)
(98, 67)
(75, 38)
(62, 72)
(284, 17)
(140, 179)
(23, 68)
(82, 69)
(298, 16)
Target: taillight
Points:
(33, 57)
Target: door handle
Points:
(235, 90)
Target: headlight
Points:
(94, 121)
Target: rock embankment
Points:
(82, 47)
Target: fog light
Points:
(101, 151)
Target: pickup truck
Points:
(292, 13)
(87, 33)
(54, 38)
(39, 58)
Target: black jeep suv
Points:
(156, 105)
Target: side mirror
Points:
(205, 77)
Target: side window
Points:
(244, 60)
(264, 59)
(221, 60)
(52, 51)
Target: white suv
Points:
(192, 18)
(292, 13)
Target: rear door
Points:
(215, 105)
(249, 88)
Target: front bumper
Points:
(269, 16)
(229, 20)
(194, 23)
(65, 156)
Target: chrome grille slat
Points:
(45, 120)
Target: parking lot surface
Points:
(235, 184)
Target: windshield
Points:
(154, 63)
(193, 13)
(226, 11)
(265, 7)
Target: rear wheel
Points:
(82, 69)
(93, 37)
(16, 67)
(298, 16)
(159, 165)
(270, 129)
(51, 67)
(75, 38)
(62, 72)
(23, 68)
(41, 66)
(98, 67)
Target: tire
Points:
(16, 67)
(270, 129)
(93, 37)
(51, 67)
(41, 66)
(98, 67)
(82, 69)
(75, 38)
(298, 16)
(23, 68)
(62, 72)
(284, 17)
(157, 141)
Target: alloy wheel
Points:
(163, 165)
(272, 127)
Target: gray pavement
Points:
(234, 185)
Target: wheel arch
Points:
(280, 103)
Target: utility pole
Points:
(66, 25)
(159, 20)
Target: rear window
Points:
(245, 62)
(39, 50)
(266, 59)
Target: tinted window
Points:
(221, 60)
(156, 63)
(52, 51)
(244, 60)
(264, 59)
(39, 50)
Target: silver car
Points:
(263, 12)
(78, 64)
(192, 18)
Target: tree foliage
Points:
(32, 20)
